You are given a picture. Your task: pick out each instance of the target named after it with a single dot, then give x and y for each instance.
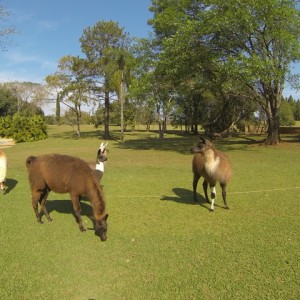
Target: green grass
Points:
(161, 245)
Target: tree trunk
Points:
(57, 112)
(160, 125)
(78, 124)
(273, 137)
(122, 100)
(106, 116)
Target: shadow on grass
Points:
(11, 184)
(65, 207)
(184, 196)
(293, 138)
(72, 135)
(183, 142)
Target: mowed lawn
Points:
(161, 244)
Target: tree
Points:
(8, 102)
(252, 42)
(104, 45)
(297, 111)
(286, 115)
(73, 84)
(149, 85)
(30, 96)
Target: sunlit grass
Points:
(161, 245)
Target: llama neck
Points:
(211, 162)
(97, 200)
(100, 167)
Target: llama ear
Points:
(202, 140)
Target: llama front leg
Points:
(195, 182)
(77, 211)
(205, 185)
(213, 193)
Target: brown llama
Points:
(214, 166)
(66, 174)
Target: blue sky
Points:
(50, 30)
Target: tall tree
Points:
(253, 42)
(150, 85)
(8, 102)
(70, 81)
(102, 44)
(29, 94)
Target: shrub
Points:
(23, 128)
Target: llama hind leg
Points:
(224, 188)
(40, 197)
(44, 195)
(35, 203)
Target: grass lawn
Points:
(160, 245)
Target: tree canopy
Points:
(248, 45)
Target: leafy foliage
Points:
(23, 128)
(8, 102)
(239, 48)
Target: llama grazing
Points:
(98, 166)
(214, 166)
(66, 174)
(3, 171)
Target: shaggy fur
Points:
(214, 166)
(66, 174)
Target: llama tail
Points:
(29, 160)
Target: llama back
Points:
(61, 173)
(225, 170)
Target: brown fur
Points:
(65, 174)
(213, 165)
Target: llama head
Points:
(101, 228)
(202, 146)
(102, 153)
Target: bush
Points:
(23, 128)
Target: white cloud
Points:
(48, 25)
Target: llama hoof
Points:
(226, 207)
(211, 210)
(40, 221)
(82, 229)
